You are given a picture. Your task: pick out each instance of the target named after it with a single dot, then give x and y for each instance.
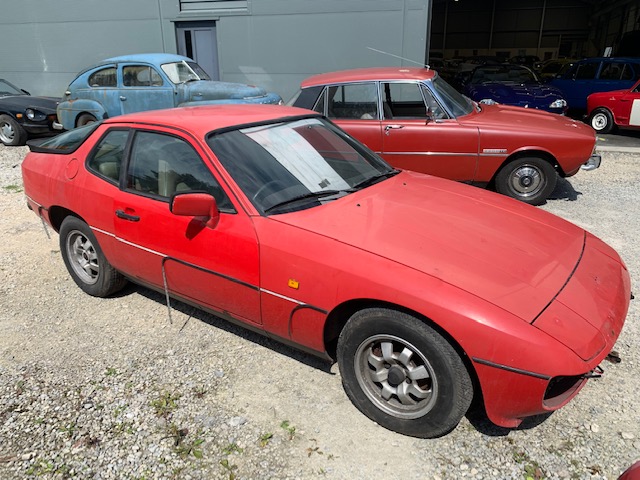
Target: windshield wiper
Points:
(304, 196)
(373, 180)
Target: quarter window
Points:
(353, 101)
(161, 165)
(586, 71)
(107, 77)
(106, 159)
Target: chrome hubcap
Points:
(396, 377)
(599, 121)
(83, 257)
(527, 180)
(6, 132)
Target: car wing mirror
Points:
(200, 205)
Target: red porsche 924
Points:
(425, 291)
(416, 121)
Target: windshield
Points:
(456, 103)
(502, 74)
(181, 72)
(299, 164)
(7, 89)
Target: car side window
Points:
(403, 100)
(586, 71)
(107, 156)
(612, 71)
(353, 101)
(162, 165)
(140, 76)
(107, 77)
(321, 103)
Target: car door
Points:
(627, 109)
(215, 267)
(144, 88)
(419, 135)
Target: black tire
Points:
(11, 132)
(428, 405)
(85, 261)
(528, 179)
(601, 120)
(85, 119)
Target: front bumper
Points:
(594, 162)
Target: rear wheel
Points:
(601, 120)
(403, 374)
(529, 179)
(11, 132)
(85, 261)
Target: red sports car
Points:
(425, 291)
(619, 108)
(417, 121)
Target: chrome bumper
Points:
(593, 163)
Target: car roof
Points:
(153, 58)
(370, 74)
(610, 59)
(203, 119)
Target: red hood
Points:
(526, 119)
(508, 253)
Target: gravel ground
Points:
(110, 389)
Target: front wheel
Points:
(85, 119)
(601, 120)
(11, 132)
(529, 179)
(85, 261)
(403, 374)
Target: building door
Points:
(197, 40)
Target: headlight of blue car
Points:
(488, 101)
(35, 115)
(560, 103)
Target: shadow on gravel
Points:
(228, 326)
(564, 191)
(479, 420)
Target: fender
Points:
(69, 110)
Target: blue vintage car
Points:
(591, 75)
(151, 81)
(513, 85)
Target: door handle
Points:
(392, 127)
(126, 216)
(123, 98)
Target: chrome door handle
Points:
(123, 98)
(392, 127)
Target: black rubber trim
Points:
(511, 369)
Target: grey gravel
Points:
(110, 389)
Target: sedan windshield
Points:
(456, 103)
(300, 164)
(181, 72)
(502, 74)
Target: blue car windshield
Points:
(181, 72)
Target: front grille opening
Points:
(561, 389)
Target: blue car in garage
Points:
(151, 81)
(591, 75)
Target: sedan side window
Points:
(162, 165)
(403, 100)
(141, 76)
(612, 71)
(353, 101)
(106, 158)
(107, 77)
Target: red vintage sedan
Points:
(426, 292)
(619, 108)
(417, 121)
